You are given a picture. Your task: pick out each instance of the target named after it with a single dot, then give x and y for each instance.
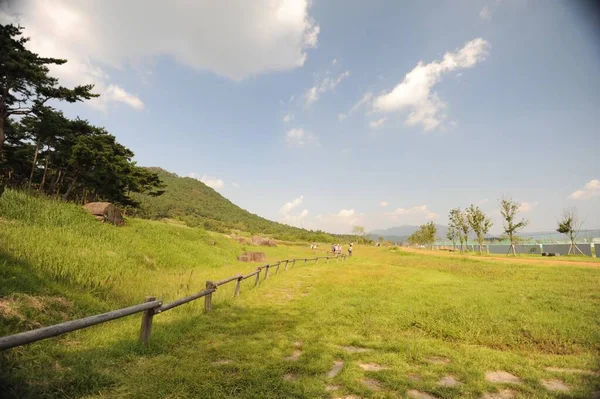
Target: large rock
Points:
(252, 257)
(105, 212)
(257, 240)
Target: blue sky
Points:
(462, 101)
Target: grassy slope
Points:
(196, 204)
(405, 306)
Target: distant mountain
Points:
(401, 233)
(194, 203)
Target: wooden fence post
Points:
(267, 272)
(277, 270)
(294, 263)
(237, 286)
(257, 277)
(286, 265)
(208, 297)
(305, 260)
(146, 328)
(317, 260)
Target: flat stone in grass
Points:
(572, 371)
(414, 394)
(335, 370)
(372, 384)
(330, 388)
(295, 356)
(355, 349)
(449, 381)
(437, 360)
(372, 367)
(555, 385)
(502, 377)
(298, 344)
(503, 394)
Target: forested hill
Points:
(196, 204)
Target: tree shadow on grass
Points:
(235, 351)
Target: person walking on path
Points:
(350, 250)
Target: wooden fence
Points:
(150, 307)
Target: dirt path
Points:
(548, 261)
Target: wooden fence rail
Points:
(150, 308)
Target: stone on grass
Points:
(372, 384)
(252, 257)
(555, 385)
(502, 377)
(355, 349)
(330, 388)
(295, 356)
(437, 360)
(335, 370)
(105, 212)
(372, 367)
(257, 240)
(503, 394)
(414, 394)
(449, 381)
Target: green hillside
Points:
(198, 205)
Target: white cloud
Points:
(485, 13)
(365, 99)
(212, 182)
(421, 210)
(341, 221)
(288, 118)
(288, 207)
(378, 123)
(231, 38)
(383, 204)
(525, 206)
(415, 93)
(300, 138)
(327, 84)
(591, 189)
(115, 93)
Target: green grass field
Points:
(418, 317)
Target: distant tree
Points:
(452, 235)
(24, 79)
(509, 210)
(458, 221)
(429, 233)
(424, 236)
(479, 223)
(569, 225)
(358, 231)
